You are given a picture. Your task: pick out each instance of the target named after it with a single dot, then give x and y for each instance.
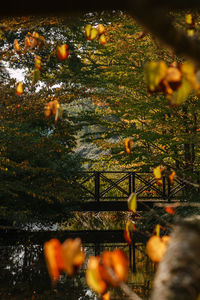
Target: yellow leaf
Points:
(93, 33)
(101, 29)
(188, 19)
(181, 94)
(132, 202)
(157, 172)
(189, 73)
(102, 39)
(190, 32)
(154, 73)
(93, 276)
(88, 28)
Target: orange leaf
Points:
(169, 210)
(118, 263)
(171, 177)
(55, 106)
(54, 259)
(62, 52)
(128, 145)
(156, 247)
(16, 46)
(106, 296)
(19, 88)
(129, 228)
(27, 42)
(73, 255)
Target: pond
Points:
(24, 274)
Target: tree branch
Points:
(156, 20)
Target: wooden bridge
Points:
(109, 190)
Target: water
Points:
(24, 274)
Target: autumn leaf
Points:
(19, 88)
(106, 296)
(169, 210)
(48, 109)
(181, 94)
(129, 228)
(54, 259)
(88, 28)
(114, 267)
(158, 174)
(156, 247)
(101, 28)
(172, 80)
(73, 255)
(128, 145)
(93, 276)
(38, 62)
(27, 42)
(16, 46)
(66, 257)
(102, 39)
(188, 19)
(62, 52)
(93, 33)
(171, 177)
(132, 202)
(190, 32)
(154, 73)
(189, 73)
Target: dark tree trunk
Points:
(178, 274)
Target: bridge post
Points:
(97, 185)
(168, 189)
(164, 187)
(133, 182)
(132, 258)
(129, 183)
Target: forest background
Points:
(104, 96)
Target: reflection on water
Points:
(24, 275)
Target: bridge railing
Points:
(118, 185)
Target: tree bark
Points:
(178, 274)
